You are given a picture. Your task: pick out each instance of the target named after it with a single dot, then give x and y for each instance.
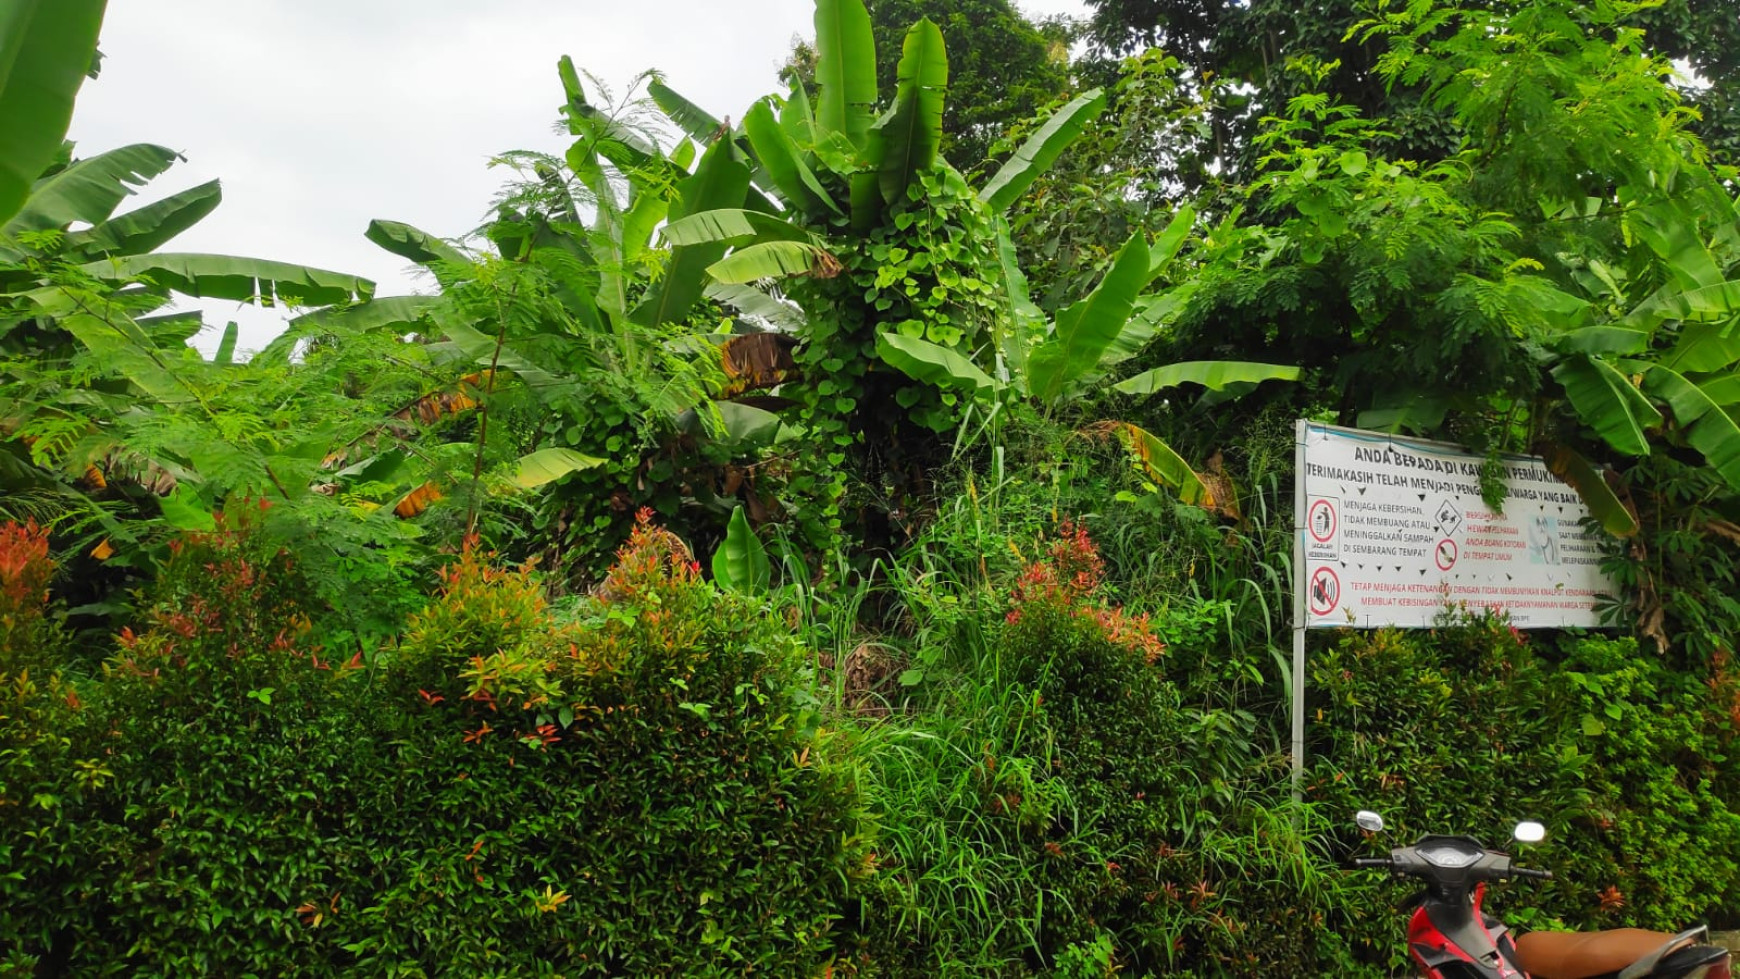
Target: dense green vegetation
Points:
(805, 546)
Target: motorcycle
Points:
(1450, 937)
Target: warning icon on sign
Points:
(1449, 518)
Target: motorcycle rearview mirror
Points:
(1369, 821)
(1529, 831)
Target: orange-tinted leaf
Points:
(418, 500)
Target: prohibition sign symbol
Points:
(1445, 554)
(1325, 591)
(1321, 521)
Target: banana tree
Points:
(1667, 367)
(1090, 339)
(578, 327)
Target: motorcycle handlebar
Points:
(1372, 863)
(1536, 874)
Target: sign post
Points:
(1392, 531)
(1301, 517)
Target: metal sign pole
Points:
(1299, 579)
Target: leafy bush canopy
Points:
(770, 551)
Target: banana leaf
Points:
(1171, 241)
(549, 465)
(740, 564)
(1582, 476)
(912, 129)
(1703, 348)
(932, 363)
(786, 169)
(701, 125)
(242, 279)
(733, 226)
(1041, 150)
(751, 301)
(1159, 464)
(1086, 329)
(89, 190)
(1215, 375)
(46, 49)
(845, 69)
(148, 228)
(720, 181)
(1597, 340)
(1607, 401)
(1707, 427)
(773, 260)
(414, 245)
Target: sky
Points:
(320, 115)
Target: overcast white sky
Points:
(319, 115)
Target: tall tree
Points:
(1254, 42)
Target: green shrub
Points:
(1470, 728)
(641, 791)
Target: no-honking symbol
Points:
(1324, 592)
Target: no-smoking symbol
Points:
(1445, 554)
(1324, 592)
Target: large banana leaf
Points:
(912, 129)
(790, 175)
(1026, 318)
(1088, 327)
(1159, 464)
(751, 301)
(720, 180)
(549, 465)
(46, 47)
(148, 228)
(1171, 241)
(647, 208)
(740, 564)
(240, 279)
(701, 125)
(89, 190)
(773, 260)
(1041, 150)
(798, 119)
(1582, 476)
(1709, 304)
(1707, 427)
(1212, 374)
(402, 314)
(414, 245)
(1608, 402)
(1724, 390)
(733, 226)
(1595, 340)
(845, 69)
(931, 363)
(1702, 348)
(1670, 229)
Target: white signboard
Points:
(1393, 531)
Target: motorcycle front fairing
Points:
(1451, 938)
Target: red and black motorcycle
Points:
(1450, 937)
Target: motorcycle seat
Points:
(1621, 953)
